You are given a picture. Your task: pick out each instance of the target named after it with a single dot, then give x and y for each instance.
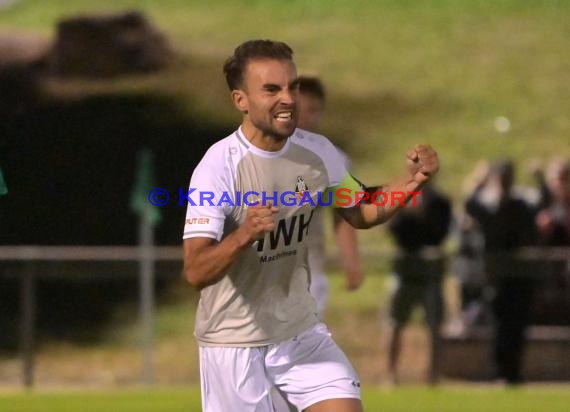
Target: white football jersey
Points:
(264, 298)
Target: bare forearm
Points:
(346, 239)
(422, 163)
(208, 264)
(347, 242)
(385, 201)
(397, 194)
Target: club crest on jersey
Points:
(300, 187)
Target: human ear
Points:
(239, 99)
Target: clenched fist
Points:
(259, 220)
(422, 162)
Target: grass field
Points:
(448, 399)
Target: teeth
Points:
(284, 116)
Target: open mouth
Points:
(284, 116)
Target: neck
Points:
(261, 140)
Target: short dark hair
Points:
(253, 49)
(311, 85)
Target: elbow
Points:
(199, 279)
(383, 219)
(368, 221)
(361, 223)
(194, 278)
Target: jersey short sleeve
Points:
(210, 182)
(342, 185)
(344, 193)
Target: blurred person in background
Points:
(311, 101)
(552, 301)
(468, 264)
(310, 105)
(506, 221)
(553, 221)
(419, 267)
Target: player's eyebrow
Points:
(271, 87)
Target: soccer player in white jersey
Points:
(256, 323)
(310, 107)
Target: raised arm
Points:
(206, 261)
(421, 164)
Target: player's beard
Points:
(277, 129)
(281, 133)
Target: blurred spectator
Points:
(310, 108)
(553, 221)
(469, 266)
(506, 221)
(552, 304)
(419, 266)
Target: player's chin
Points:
(285, 129)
